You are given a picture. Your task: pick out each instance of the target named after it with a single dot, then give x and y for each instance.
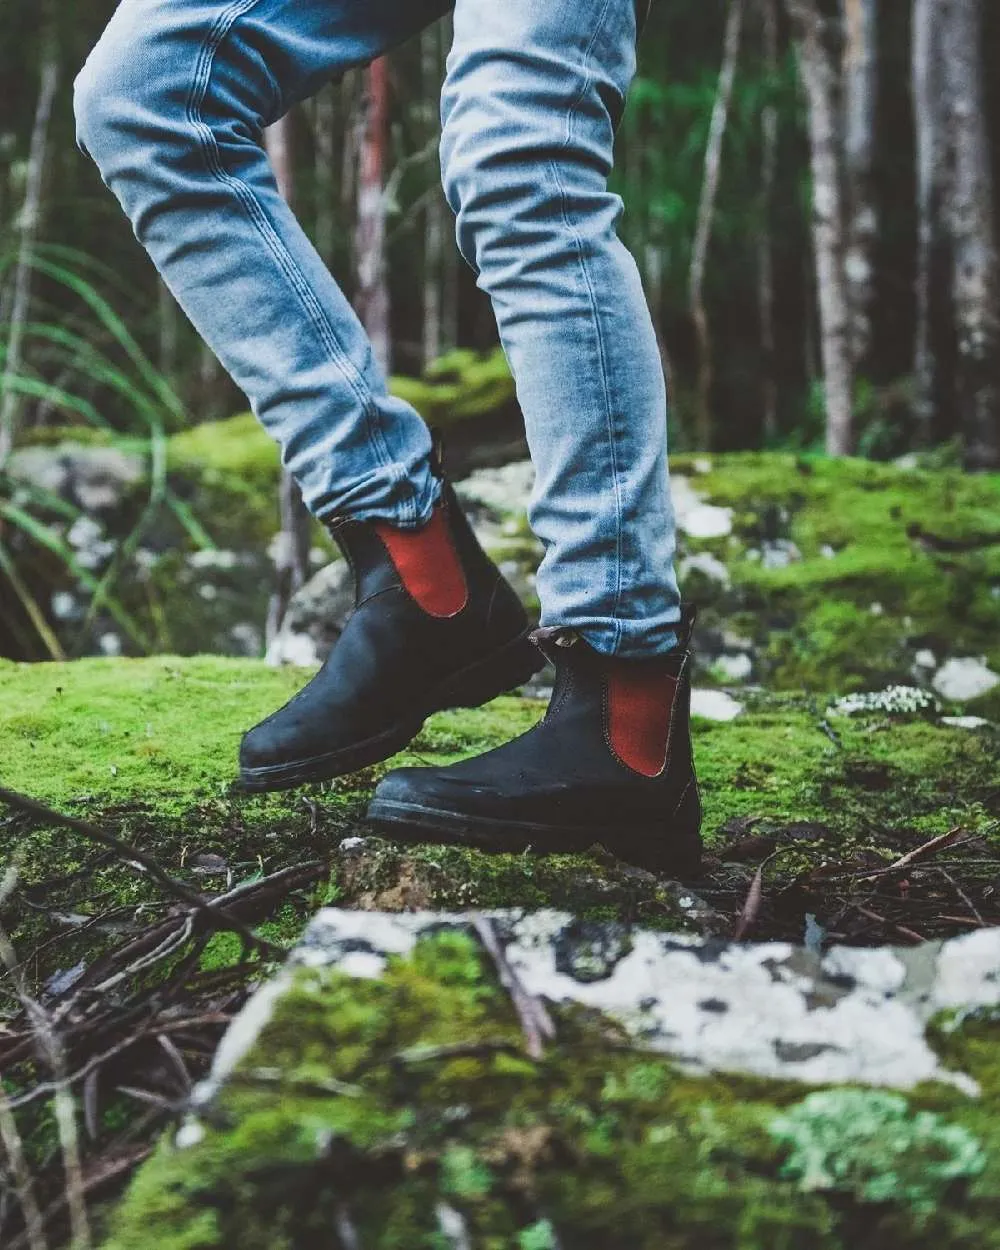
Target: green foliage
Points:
(868, 1144)
(458, 385)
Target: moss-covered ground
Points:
(885, 561)
(149, 746)
(396, 1110)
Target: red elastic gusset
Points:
(640, 704)
(428, 564)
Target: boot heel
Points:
(504, 670)
(673, 849)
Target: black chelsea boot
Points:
(435, 625)
(611, 763)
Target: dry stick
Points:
(751, 906)
(62, 1100)
(962, 895)
(928, 848)
(215, 916)
(889, 924)
(95, 1063)
(535, 1020)
(24, 1186)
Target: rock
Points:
(770, 1010)
(96, 479)
(314, 618)
(384, 1082)
(714, 705)
(694, 516)
(962, 679)
(504, 491)
(734, 667)
(707, 565)
(965, 722)
(779, 554)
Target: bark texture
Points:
(975, 269)
(816, 37)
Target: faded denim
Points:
(171, 105)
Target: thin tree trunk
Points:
(28, 230)
(169, 332)
(706, 217)
(976, 271)
(819, 67)
(932, 252)
(292, 553)
(372, 296)
(765, 249)
(860, 74)
(435, 229)
(325, 130)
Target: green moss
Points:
(460, 384)
(891, 560)
(149, 746)
(593, 1146)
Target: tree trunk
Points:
(325, 129)
(860, 106)
(765, 248)
(291, 555)
(28, 230)
(932, 251)
(372, 296)
(435, 215)
(706, 217)
(819, 67)
(976, 273)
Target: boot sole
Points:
(510, 666)
(678, 855)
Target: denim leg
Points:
(533, 93)
(171, 105)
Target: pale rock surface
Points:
(853, 1015)
(96, 479)
(315, 617)
(964, 678)
(714, 705)
(694, 516)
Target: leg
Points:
(171, 105)
(529, 107)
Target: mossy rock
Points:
(885, 561)
(400, 1108)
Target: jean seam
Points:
(592, 299)
(218, 32)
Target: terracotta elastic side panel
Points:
(640, 702)
(428, 565)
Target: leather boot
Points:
(435, 626)
(610, 763)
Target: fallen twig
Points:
(751, 906)
(535, 1019)
(927, 849)
(216, 917)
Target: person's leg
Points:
(529, 107)
(530, 103)
(171, 105)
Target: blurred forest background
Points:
(809, 194)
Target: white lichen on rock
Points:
(772, 1010)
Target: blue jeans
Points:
(171, 105)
